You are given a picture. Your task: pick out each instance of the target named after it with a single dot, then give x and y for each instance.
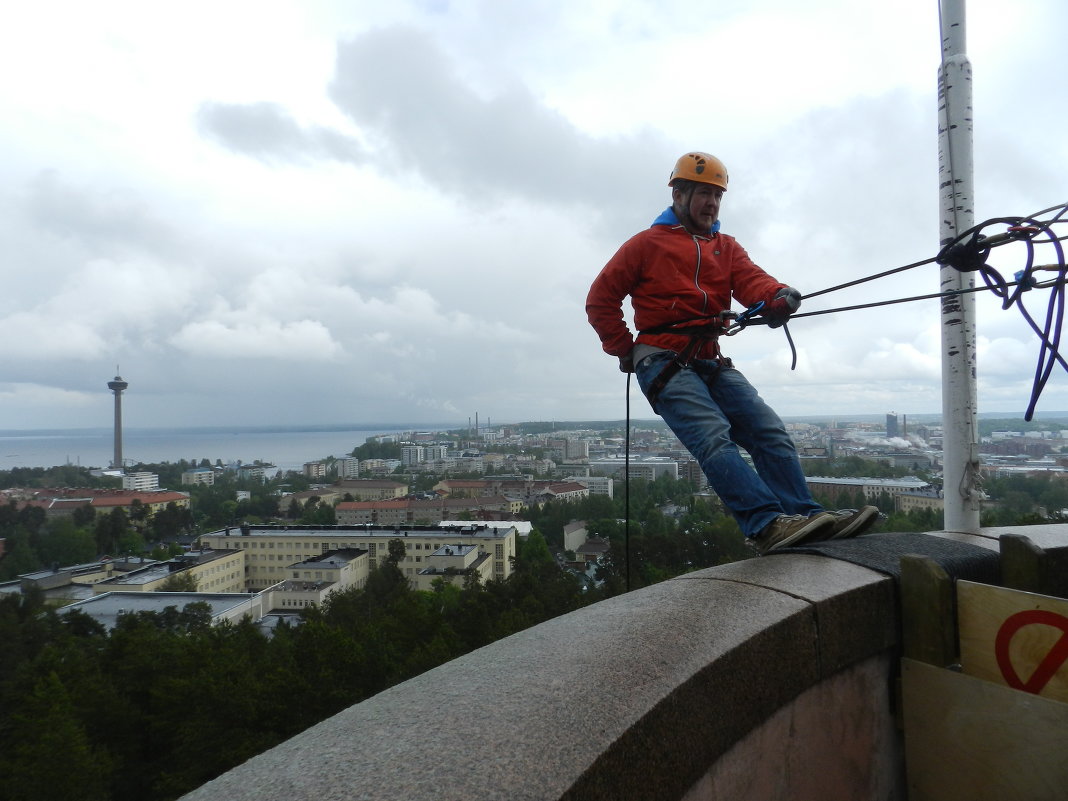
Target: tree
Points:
(180, 581)
(84, 515)
(397, 551)
(317, 513)
(32, 518)
(20, 556)
(170, 521)
(534, 554)
(138, 511)
(64, 543)
(49, 731)
(109, 531)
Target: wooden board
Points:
(1014, 638)
(971, 740)
(928, 630)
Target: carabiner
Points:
(740, 320)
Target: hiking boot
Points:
(787, 530)
(851, 522)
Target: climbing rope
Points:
(969, 253)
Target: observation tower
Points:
(117, 385)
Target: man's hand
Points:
(778, 310)
(626, 364)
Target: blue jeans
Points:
(713, 410)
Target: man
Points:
(680, 274)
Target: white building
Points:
(253, 472)
(870, 488)
(315, 470)
(348, 467)
(597, 485)
(140, 482)
(642, 467)
(199, 475)
(271, 551)
(412, 454)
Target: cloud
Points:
(399, 86)
(113, 220)
(305, 340)
(267, 131)
(25, 397)
(405, 212)
(51, 339)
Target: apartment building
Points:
(690, 470)
(413, 511)
(315, 470)
(214, 571)
(155, 500)
(453, 562)
(372, 489)
(562, 491)
(271, 551)
(464, 487)
(432, 452)
(140, 482)
(648, 468)
(870, 488)
(347, 467)
(109, 608)
(198, 475)
(412, 454)
(252, 472)
(310, 581)
(379, 467)
(919, 499)
(568, 450)
(328, 496)
(597, 485)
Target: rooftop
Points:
(107, 608)
(332, 559)
(367, 530)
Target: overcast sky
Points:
(355, 212)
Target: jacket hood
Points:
(668, 217)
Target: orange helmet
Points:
(700, 167)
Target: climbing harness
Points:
(701, 330)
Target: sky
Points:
(280, 213)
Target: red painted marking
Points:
(1052, 662)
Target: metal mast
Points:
(960, 429)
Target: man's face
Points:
(703, 206)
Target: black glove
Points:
(626, 364)
(778, 310)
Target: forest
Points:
(166, 701)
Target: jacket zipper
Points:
(697, 275)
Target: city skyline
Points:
(389, 427)
(258, 239)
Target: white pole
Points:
(960, 444)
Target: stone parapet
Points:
(639, 696)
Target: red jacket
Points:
(672, 275)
